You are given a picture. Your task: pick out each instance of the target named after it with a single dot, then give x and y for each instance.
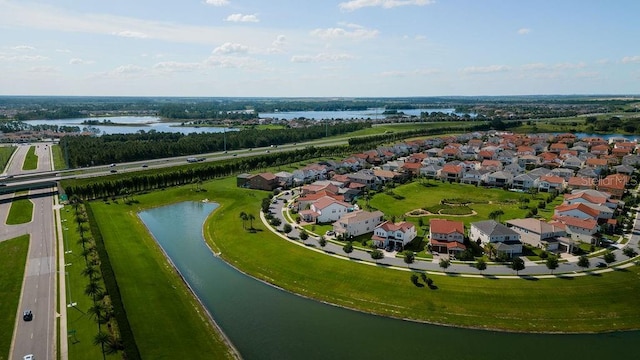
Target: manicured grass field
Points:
(584, 304)
(58, 158)
(5, 155)
(167, 321)
(428, 194)
(21, 210)
(30, 160)
(13, 257)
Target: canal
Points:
(264, 322)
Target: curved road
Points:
(568, 268)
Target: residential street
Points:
(457, 268)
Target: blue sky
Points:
(347, 48)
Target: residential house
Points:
(514, 169)
(614, 184)
(357, 223)
(262, 181)
(394, 234)
(587, 173)
(524, 181)
(593, 197)
(436, 160)
(577, 229)
(572, 162)
(580, 183)
(500, 179)
(446, 236)
(577, 210)
(325, 210)
(451, 173)
(507, 157)
(476, 177)
(491, 165)
(562, 172)
(529, 161)
(600, 150)
(366, 178)
(285, 179)
(624, 169)
(431, 171)
(411, 168)
(550, 183)
(491, 231)
(540, 234)
(597, 164)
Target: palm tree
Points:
(243, 217)
(113, 345)
(93, 289)
(481, 265)
(444, 264)
(490, 249)
(101, 339)
(90, 271)
(496, 214)
(250, 217)
(99, 312)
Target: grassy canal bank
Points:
(595, 303)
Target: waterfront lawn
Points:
(585, 304)
(427, 194)
(166, 319)
(13, 257)
(21, 210)
(5, 155)
(58, 158)
(30, 160)
(81, 344)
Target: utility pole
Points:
(224, 135)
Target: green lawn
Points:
(81, 346)
(5, 155)
(427, 194)
(58, 158)
(590, 303)
(13, 257)
(31, 160)
(21, 210)
(167, 322)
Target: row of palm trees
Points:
(247, 217)
(101, 310)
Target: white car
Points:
(28, 357)
(330, 233)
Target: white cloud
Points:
(231, 48)
(233, 62)
(174, 66)
(128, 69)
(23, 47)
(277, 44)
(603, 62)
(321, 57)
(568, 66)
(63, 51)
(630, 59)
(12, 57)
(242, 18)
(588, 75)
(131, 34)
(332, 33)
(217, 2)
(387, 4)
(77, 61)
(485, 69)
(524, 31)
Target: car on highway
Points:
(113, 171)
(601, 265)
(28, 357)
(145, 165)
(27, 315)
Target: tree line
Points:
(88, 151)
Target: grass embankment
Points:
(81, 344)
(583, 304)
(5, 155)
(167, 321)
(21, 210)
(58, 158)
(30, 160)
(13, 258)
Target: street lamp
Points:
(70, 304)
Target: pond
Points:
(264, 322)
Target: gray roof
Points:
(493, 228)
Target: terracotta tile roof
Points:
(449, 244)
(614, 181)
(267, 176)
(596, 162)
(552, 179)
(581, 181)
(325, 201)
(401, 226)
(589, 224)
(580, 207)
(452, 169)
(444, 226)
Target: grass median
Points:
(21, 211)
(13, 257)
(30, 160)
(593, 303)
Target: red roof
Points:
(552, 179)
(589, 224)
(580, 207)
(580, 181)
(452, 169)
(449, 244)
(444, 226)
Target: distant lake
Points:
(138, 123)
(351, 114)
(604, 136)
